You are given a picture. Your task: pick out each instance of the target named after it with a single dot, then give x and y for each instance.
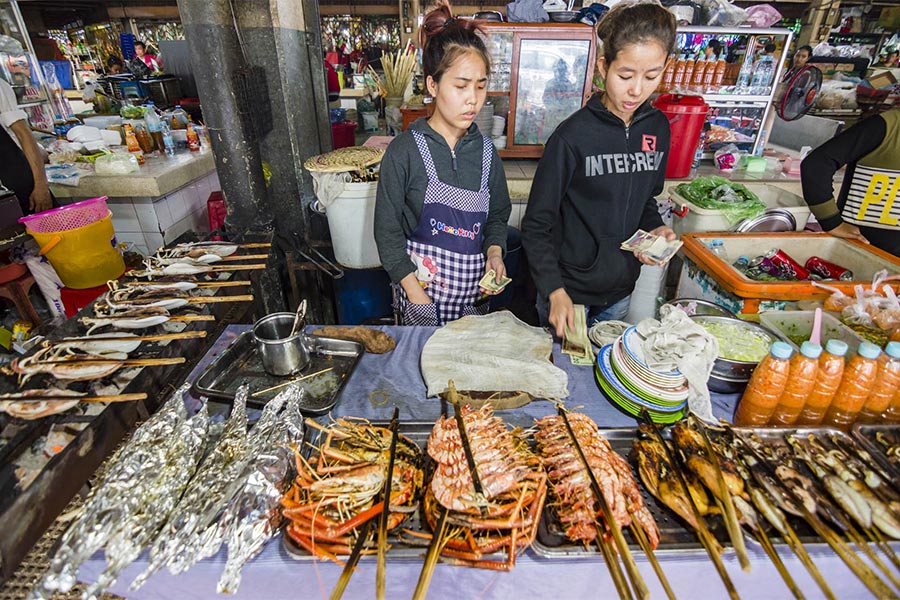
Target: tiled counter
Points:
(151, 208)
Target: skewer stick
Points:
(386, 509)
(184, 318)
(438, 541)
(644, 543)
(703, 533)
(637, 582)
(800, 550)
(110, 398)
(287, 383)
(883, 545)
(128, 362)
(239, 246)
(861, 543)
(216, 268)
(352, 561)
(200, 284)
(236, 257)
(766, 543)
(184, 335)
(189, 299)
(724, 496)
(612, 563)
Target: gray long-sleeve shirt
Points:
(402, 184)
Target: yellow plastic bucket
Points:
(84, 257)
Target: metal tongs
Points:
(305, 249)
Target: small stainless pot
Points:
(282, 354)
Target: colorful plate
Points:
(631, 344)
(658, 417)
(628, 375)
(650, 396)
(670, 383)
(621, 395)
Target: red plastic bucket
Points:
(686, 116)
(343, 134)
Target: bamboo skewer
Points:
(438, 541)
(189, 299)
(799, 550)
(381, 567)
(178, 318)
(883, 544)
(352, 561)
(238, 246)
(162, 337)
(641, 538)
(236, 257)
(861, 543)
(612, 564)
(287, 383)
(637, 582)
(128, 362)
(199, 284)
(769, 549)
(111, 398)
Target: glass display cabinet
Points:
(20, 68)
(540, 74)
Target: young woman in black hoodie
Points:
(599, 177)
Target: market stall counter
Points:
(166, 199)
(382, 382)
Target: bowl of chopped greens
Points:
(741, 346)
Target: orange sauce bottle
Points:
(804, 368)
(133, 146)
(828, 378)
(766, 385)
(678, 78)
(668, 75)
(719, 74)
(859, 378)
(699, 73)
(689, 65)
(886, 386)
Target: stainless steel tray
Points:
(399, 548)
(240, 363)
(674, 534)
(776, 438)
(865, 435)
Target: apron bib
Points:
(446, 246)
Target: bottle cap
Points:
(836, 347)
(892, 349)
(869, 350)
(781, 350)
(810, 349)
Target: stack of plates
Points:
(632, 385)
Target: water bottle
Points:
(718, 248)
(168, 141)
(762, 74)
(746, 72)
(154, 125)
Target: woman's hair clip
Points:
(448, 22)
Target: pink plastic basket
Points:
(66, 218)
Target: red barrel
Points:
(686, 116)
(343, 134)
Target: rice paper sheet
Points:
(492, 353)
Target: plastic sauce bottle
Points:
(804, 368)
(765, 388)
(892, 414)
(699, 73)
(886, 386)
(678, 78)
(193, 140)
(828, 378)
(668, 75)
(859, 378)
(719, 74)
(133, 146)
(689, 65)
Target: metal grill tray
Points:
(240, 363)
(674, 535)
(865, 436)
(776, 437)
(399, 548)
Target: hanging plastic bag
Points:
(763, 15)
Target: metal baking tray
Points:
(776, 437)
(674, 535)
(399, 547)
(240, 364)
(865, 435)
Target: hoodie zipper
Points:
(453, 157)
(628, 194)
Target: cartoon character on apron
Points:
(446, 246)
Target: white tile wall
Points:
(179, 205)
(124, 217)
(140, 244)
(163, 213)
(154, 240)
(177, 229)
(147, 217)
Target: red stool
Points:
(75, 300)
(16, 291)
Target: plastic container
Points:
(892, 414)
(690, 217)
(686, 115)
(83, 257)
(343, 134)
(796, 327)
(828, 378)
(886, 385)
(351, 219)
(765, 388)
(859, 378)
(804, 368)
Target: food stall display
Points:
(543, 72)
(21, 70)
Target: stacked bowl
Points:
(631, 385)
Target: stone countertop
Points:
(158, 177)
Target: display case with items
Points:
(737, 72)
(19, 67)
(540, 74)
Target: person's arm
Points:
(551, 181)
(40, 199)
(818, 168)
(390, 238)
(497, 219)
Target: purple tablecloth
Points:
(395, 380)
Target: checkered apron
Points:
(446, 246)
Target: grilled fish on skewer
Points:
(690, 442)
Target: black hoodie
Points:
(595, 186)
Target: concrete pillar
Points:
(275, 37)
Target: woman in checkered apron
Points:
(442, 206)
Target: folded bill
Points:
(576, 343)
(657, 248)
(489, 282)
